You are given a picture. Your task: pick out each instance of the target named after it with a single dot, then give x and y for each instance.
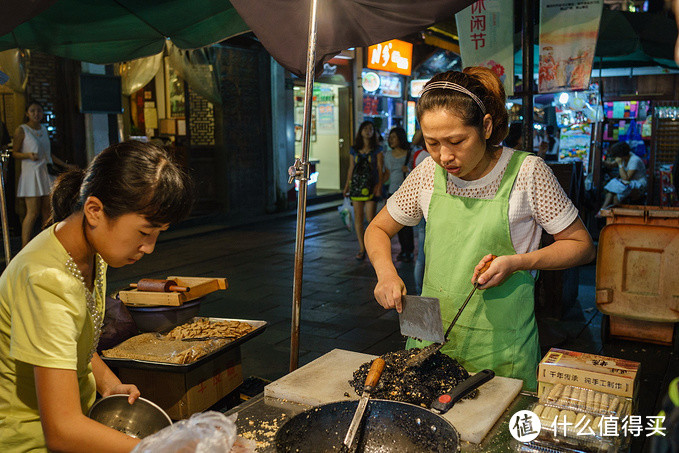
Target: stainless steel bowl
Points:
(139, 420)
(161, 318)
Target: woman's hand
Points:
(124, 389)
(618, 161)
(33, 156)
(500, 268)
(389, 291)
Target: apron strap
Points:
(509, 178)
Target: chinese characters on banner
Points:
(486, 30)
(568, 34)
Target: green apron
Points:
(497, 329)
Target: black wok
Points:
(388, 426)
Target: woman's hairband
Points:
(455, 87)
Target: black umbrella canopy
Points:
(107, 31)
(283, 25)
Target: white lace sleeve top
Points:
(536, 201)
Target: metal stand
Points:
(4, 157)
(527, 91)
(300, 172)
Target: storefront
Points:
(384, 81)
(331, 131)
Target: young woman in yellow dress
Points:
(52, 297)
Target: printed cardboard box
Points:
(605, 374)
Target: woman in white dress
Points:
(32, 147)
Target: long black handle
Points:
(443, 403)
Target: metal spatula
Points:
(374, 374)
(420, 318)
(432, 349)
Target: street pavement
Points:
(338, 307)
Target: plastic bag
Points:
(206, 432)
(118, 324)
(346, 212)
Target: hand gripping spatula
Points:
(432, 349)
(420, 318)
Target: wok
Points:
(388, 426)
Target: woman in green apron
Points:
(478, 199)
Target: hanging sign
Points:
(487, 38)
(568, 34)
(391, 56)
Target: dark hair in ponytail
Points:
(481, 81)
(129, 177)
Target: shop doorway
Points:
(330, 136)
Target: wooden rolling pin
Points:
(159, 286)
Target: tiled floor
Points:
(338, 309)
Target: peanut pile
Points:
(204, 328)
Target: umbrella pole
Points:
(4, 156)
(527, 89)
(300, 171)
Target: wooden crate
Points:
(184, 394)
(199, 287)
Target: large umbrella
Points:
(110, 31)
(298, 34)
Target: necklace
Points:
(97, 316)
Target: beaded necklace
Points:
(96, 315)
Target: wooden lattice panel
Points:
(666, 134)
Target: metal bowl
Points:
(139, 420)
(161, 318)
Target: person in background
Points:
(549, 148)
(631, 180)
(397, 166)
(52, 297)
(479, 198)
(364, 179)
(32, 146)
(419, 155)
(514, 138)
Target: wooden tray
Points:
(199, 286)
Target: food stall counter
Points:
(260, 418)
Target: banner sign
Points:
(487, 38)
(568, 34)
(392, 56)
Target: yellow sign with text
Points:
(391, 56)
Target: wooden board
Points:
(326, 380)
(199, 287)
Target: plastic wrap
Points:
(575, 418)
(158, 348)
(207, 432)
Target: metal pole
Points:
(527, 91)
(300, 171)
(4, 155)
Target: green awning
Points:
(109, 31)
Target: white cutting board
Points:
(326, 380)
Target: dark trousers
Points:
(405, 238)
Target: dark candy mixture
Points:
(417, 385)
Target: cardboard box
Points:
(605, 374)
(182, 394)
